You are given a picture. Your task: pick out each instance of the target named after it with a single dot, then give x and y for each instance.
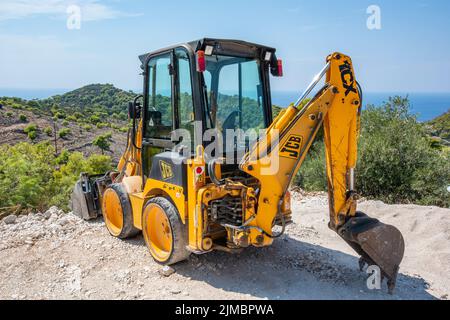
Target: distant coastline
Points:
(427, 106)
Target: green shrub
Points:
(30, 130)
(23, 118)
(30, 127)
(87, 127)
(48, 131)
(103, 142)
(312, 175)
(65, 123)
(25, 175)
(124, 129)
(78, 115)
(32, 135)
(71, 118)
(31, 176)
(59, 115)
(33, 104)
(9, 114)
(63, 157)
(63, 133)
(102, 125)
(94, 119)
(397, 163)
(68, 174)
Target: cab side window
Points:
(184, 94)
(159, 123)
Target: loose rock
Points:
(167, 271)
(10, 219)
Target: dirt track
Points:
(60, 257)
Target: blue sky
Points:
(411, 52)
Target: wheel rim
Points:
(112, 212)
(157, 232)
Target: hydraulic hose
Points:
(212, 173)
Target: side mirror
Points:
(134, 108)
(131, 110)
(134, 112)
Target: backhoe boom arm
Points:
(276, 159)
(336, 108)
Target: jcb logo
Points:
(348, 80)
(166, 170)
(291, 149)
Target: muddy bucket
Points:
(377, 243)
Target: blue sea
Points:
(30, 94)
(426, 105)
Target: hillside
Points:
(103, 98)
(440, 127)
(87, 112)
(73, 119)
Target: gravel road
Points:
(53, 255)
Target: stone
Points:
(63, 221)
(167, 271)
(10, 219)
(61, 264)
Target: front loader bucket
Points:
(83, 201)
(378, 244)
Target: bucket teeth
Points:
(377, 243)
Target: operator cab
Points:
(202, 85)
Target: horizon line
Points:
(284, 91)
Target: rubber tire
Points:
(179, 231)
(128, 229)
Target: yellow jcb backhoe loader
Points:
(190, 187)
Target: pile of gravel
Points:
(54, 223)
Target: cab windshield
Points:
(233, 93)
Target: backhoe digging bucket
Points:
(378, 244)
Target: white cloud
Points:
(91, 10)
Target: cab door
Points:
(168, 102)
(159, 108)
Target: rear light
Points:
(201, 61)
(280, 67)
